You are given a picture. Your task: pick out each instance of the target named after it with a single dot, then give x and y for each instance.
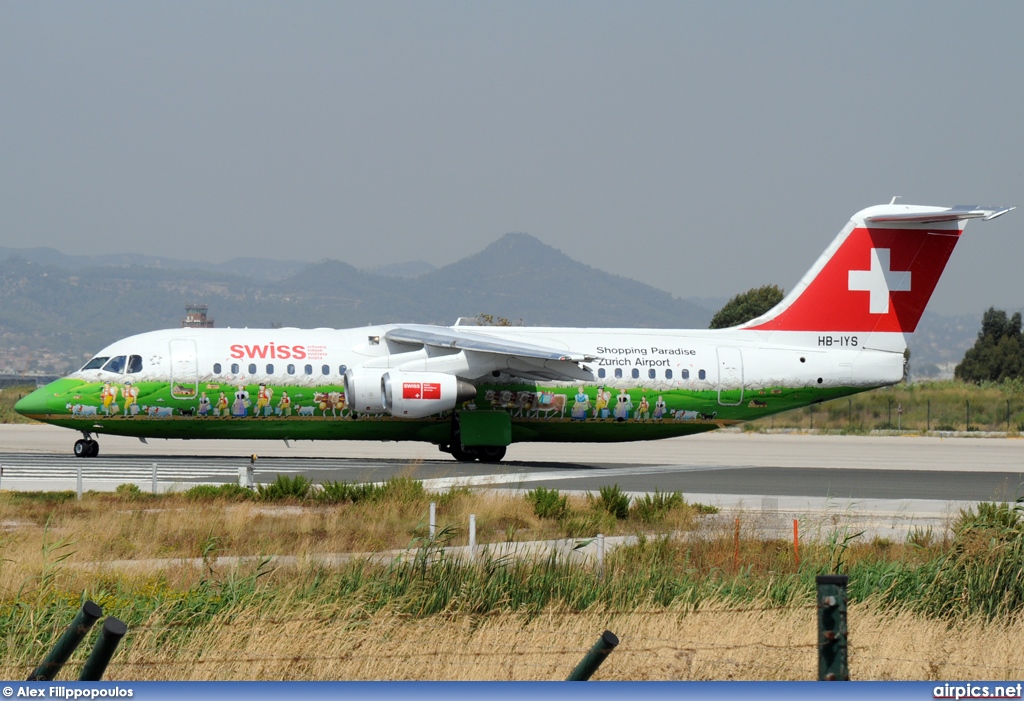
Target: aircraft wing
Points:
(522, 359)
(961, 211)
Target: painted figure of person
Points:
(600, 402)
(644, 412)
(284, 406)
(131, 398)
(263, 397)
(659, 408)
(622, 405)
(240, 407)
(204, 405)
(220, 409)
(581, 406)
(107, 396)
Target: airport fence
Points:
(864, 414)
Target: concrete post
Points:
(472, 537)
(78, 489)
(155, 488)
(600, 556)
(433, 519)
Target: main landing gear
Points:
(86, 447)
(471, 453)
(483, 453)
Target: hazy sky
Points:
(700, 147)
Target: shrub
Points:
(285, 487)
(128, 492)
(612, 500)
(548, 503)
(654, 507)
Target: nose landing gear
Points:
(86, 447)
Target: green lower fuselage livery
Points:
(474, 390)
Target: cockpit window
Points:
(134, 364)
(96, 363)
(115, 364)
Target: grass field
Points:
(685, 601)
(9, 396)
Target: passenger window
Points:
(686, 374)
(216, 368)
(600, 373)
(252, 368)
(326, 370)
(342, 369)
(96, 363)
(115, 364)
(291, 369)
(618, 373)
(668, 374)
(234, 368)
(309, 369)
(701, 374)
(651, 373)
(635, 373)
(135, 364)
(270, 368)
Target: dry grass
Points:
(325, 643)
(684, 608)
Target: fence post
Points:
(1007, 415)
(110, 635)
(593, 659)
(472, 537)
(600, 556)
(736, 547)
(929, 416)
(50, 666)
(78, 483)
(796, 542)
(155, 488)
(833, 639)
(433, 519)
(968, 414)
(850, 420)
(889, 422)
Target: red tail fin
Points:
(878, 274)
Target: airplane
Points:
(475, 390)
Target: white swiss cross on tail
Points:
(879, 281)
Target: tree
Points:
(746, 306)
(998, 354)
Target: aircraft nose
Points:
(32, 404)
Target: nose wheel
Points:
(86, 447)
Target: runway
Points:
(728, 468)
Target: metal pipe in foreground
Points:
(67, 643)
(110, 635)
(593, 659)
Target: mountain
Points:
(62, 308)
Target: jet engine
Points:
(363, 390)
(414, 395)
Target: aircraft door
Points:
(184, 369)
(730, 376)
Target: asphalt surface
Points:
(722, 463)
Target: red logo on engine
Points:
(431, 390)
(421, 390)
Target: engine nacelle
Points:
(363, 390)
(414, 395)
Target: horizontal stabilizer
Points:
(960, 211)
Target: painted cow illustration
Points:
(304, 410)
(81, 410)
(548, 403)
